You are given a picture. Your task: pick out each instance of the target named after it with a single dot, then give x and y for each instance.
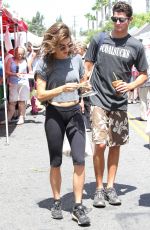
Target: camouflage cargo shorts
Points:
(109, 127)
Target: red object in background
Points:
(13, 23)
(11, 52)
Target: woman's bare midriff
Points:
(64, 104)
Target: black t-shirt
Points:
(113, 57)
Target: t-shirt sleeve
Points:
(91, 53)
(40, 70)
(141, 61)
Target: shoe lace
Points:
(57, 206)
(99, 193)
(112, 193)
(80, 211)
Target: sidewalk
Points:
(25, 194)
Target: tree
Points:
(97, 8)
(59, 19)
(88, 16)
(36, 25)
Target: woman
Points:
(19, 91)
(58, 75)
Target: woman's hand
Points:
(69, 87)
(19, 75)
(85, 86)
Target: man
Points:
(112, 60)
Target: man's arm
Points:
(140, 80)
(88, 65)
(124, 87)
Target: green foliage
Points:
(59, 19)
(6, 5)
(36, 25)
(140, 19)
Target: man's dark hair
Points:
(123, 7)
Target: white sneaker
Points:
(20, 121)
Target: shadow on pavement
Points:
(137, 118)
(3, 130)
(32, 121)
(88, 193)
(67, 202)
(144, 200)
(147, 146)
(121, 189)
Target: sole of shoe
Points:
(59, 217)
(100, 205)
(115, 204)
(87, 223)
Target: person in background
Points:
(133, 94)
(81, 49)
(16, 70)
(58, 75)
(144, 90)
(113, 61)
(33, 61)
(1, 77)
(29, 48)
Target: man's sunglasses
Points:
(121, 20)
(64, 47)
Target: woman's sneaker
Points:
(111, 196)
(80, 216)
(56, 211)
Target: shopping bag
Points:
(147, 130)
(88, 146)
(66, 147)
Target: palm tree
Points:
(97, 8)
(93, 19)
(88, 16)
(147, 5)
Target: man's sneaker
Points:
(80, 216)
(56, 211)
(111, 196)
(99, 198)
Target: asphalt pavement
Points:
(26, 197)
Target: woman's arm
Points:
(44, 95)
(8, 72)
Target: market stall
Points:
(14, 25)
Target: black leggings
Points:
(58, 121)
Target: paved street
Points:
(25, 194)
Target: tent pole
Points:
(4, 78)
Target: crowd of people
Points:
(20, 64)
(63, 70)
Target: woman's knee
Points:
(55, 161)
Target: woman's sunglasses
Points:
(63, 47)
(121, 20)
